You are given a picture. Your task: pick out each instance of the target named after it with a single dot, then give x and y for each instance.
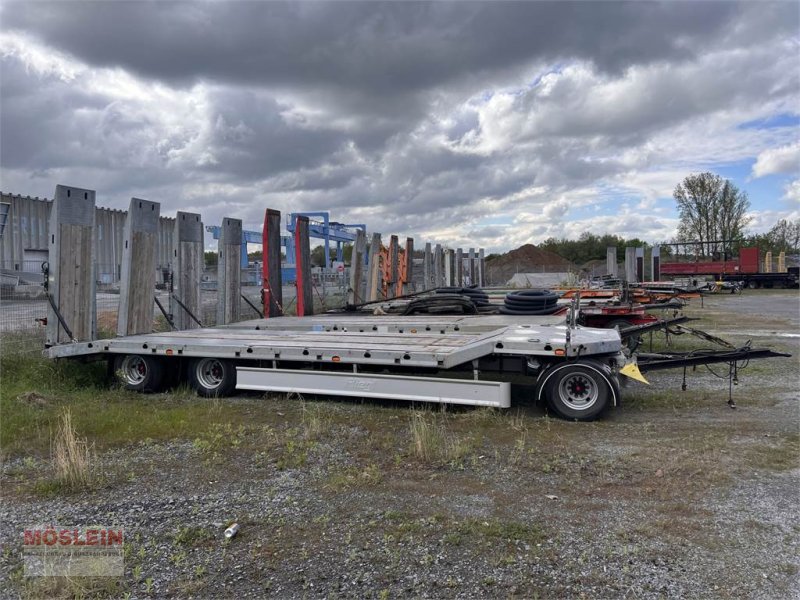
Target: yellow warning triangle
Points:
(632, 371)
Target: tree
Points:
(712, 211)
(785, 236)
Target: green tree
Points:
(712, 210)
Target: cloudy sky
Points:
(487, 124)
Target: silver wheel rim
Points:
(578, 391)
(210, 373)
(134, 370)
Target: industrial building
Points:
(23, 239)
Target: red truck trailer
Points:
(745, 269)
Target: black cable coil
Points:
(530, 302)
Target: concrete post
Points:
(630, 265)
(471, 269)
(354, 294)
(611, 260)
(409, 283)
(655, 263)
(481, 268)
(138, 281)
(459, 267)
(449, 267)
(438, 266)
(374, 273)
(71, 280)
(640, 264)
(427, 268)
(229, 271)
(187, 269)
(394, 266)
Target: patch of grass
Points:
(353, 477)
(71, 588)
(782, 455)
(193, 536)
(218, 438)
(493, 530)
(432, 442)
(72, 456)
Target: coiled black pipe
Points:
(530, 302)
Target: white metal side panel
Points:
(368, 385)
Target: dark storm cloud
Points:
(377, 48)
(409, 116)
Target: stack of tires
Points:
(478, 297)
(530, 302)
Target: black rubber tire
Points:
(578, 391)
(139, 372)
(212, 377)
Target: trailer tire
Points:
(579, 391)
(212, 377)
(139, 373)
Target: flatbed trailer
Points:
(465, 359)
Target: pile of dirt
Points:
(525, 259)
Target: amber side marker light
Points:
(560, 352)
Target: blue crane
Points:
(327, 230)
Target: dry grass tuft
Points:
(431, 442)
(72, 456)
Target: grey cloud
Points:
(377, 48)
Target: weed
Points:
(193, 536)
(71, 455)
(431, 442)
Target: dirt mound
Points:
(525, 259)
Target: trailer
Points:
(467, 359)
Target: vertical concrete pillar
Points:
(271, 280)
(459, 274)
(409, 282)
(471, 268)
(481, 268)
(302, 259)
(640, 264)
(427, 268)
(449, 267)
(354, 294)
(438, 266)
(71, 280)
(138, 281)
(655, 263)
(374, 273)
(229, 271)
(394, 267)
(611, 260)
(187, 269)
(630, 265)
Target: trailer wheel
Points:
(578, 391)
(212, 377)
(139, 373)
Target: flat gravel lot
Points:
(673, 495)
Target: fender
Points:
(592, 366)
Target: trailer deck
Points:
(439, 342)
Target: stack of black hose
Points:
(530, 302)
(444, 304)
(476, 295)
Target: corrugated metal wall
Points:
(26, 231)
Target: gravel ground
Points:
(674, 495)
